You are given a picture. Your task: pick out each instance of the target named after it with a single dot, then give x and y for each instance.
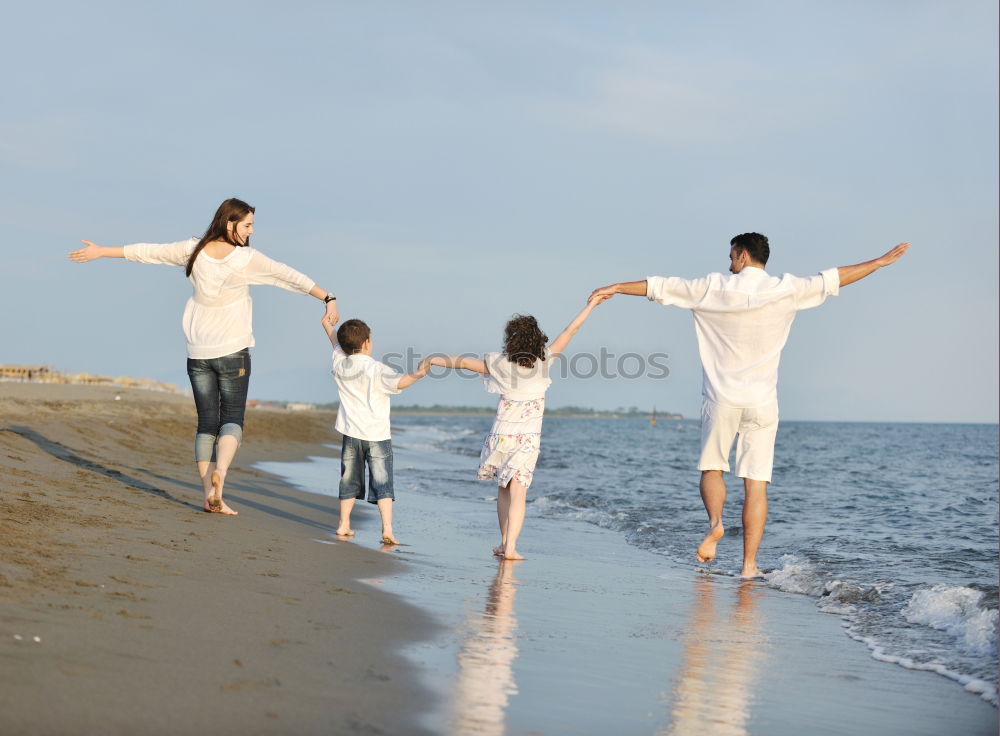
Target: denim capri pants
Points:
(220, 388)
(354, 455)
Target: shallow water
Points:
(891, 526)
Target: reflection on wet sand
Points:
(723, 651)
(485, 661)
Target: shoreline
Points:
(128, 609)
(592, 635)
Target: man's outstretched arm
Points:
(850, 274)
(633, 288)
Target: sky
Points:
(440, 166)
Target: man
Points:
(742, 323)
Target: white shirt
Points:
(364, 385)
(218, 318)
(514, 381)
(742, 323)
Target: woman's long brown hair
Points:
(232, 210)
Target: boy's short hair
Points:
(352, 335)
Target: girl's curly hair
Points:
(523, 341)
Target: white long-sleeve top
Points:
(742, 322)
(218, 318)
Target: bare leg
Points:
(515, 519)
(225, 451)
(754, 519)
(385, 510)
(503, 507)
(205, 470)
(344, 528)
(713, 495)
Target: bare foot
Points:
(706, 550)
(344, 532)
(512, 555)
(221, 508)
(214, 500)
(498, 550)
(389, 539)
(749, 573)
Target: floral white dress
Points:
(511, 449)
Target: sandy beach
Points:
(126, 609)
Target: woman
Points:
(221, 266)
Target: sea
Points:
(892, 527)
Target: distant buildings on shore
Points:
(47, 374)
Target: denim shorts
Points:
(354, 454)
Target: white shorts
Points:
(756, 427)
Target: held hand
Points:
(594, 299)
(605, 291)
(91, 253)
(328, 323)
(332, 313)
(425, 366)
(893, 255)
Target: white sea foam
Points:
(435, 433)
(577, 511)
(796, 576)
(836, 596)
(957, 611)
(987, 691)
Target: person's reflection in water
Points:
(723, 650)
(485, 662)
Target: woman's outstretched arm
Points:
(165, 254)
(264, 270)
(562, 342)
(93, 251)
(458, 361)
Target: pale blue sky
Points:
(443, 165)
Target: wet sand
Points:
(590, 635)
(124, 608)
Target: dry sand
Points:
(124, 608)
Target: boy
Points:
(364, 385)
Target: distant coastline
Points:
(42, 373)
(579, 412)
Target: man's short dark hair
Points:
(755, 246)
(352, 335)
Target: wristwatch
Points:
(329, 298)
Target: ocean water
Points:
(893, 527)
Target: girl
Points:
(520, 374)
(221, 266)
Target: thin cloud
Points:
(685, 101)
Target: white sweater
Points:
(218, 316)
